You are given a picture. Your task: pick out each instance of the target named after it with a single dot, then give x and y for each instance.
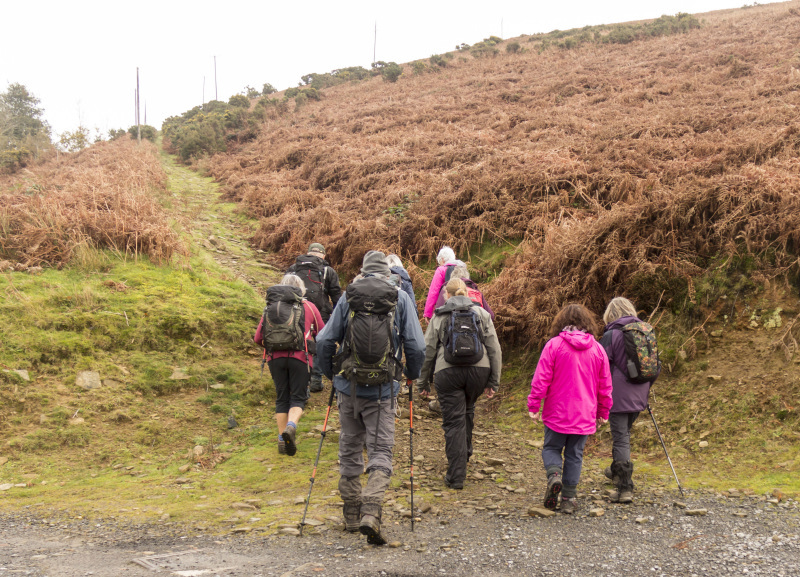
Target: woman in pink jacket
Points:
(573, 380)
(446, 259)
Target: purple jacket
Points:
(470, 284)
(628, 397)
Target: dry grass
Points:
(101, 197)
(607, 162)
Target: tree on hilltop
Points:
(23, 131)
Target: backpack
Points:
(463, 338)
(475, 296)
(283, 321)
(367, 355)
(313, 273)
(641, 351)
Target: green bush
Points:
(513, 47)
(418, 67)
(268, 89)
(438, 60)
(114, 134)
(251, 92)
(239, 100)
(391, 72)
(148, 132)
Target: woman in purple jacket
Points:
(629, 398)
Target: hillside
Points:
(595, 169)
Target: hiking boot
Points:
(351, 511)
(625, 496)
(289, 435)
(569, 505)
(610, 475)
(371, 523)
(554, 486)
(452, 485)
(316, 386)
(281, 447)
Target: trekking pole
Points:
(660, 438)
(411, 441)
(316, 462)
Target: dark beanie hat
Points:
(375, 263)
(316, 247)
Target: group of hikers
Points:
(368, 341)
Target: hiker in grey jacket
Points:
(366, 412)
(458, 387)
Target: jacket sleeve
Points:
(604, 400)
(495, 355)
(330, 336)
(332, 288)
(606, 342)
(433, 292)
(431, 351)
(541, 378)
(259, 336)
(410, 335)
(485, 305)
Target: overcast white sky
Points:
(80, 57)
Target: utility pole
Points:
(203, 107)
(138, 126)
(501, 28)
(375, 43)
(216, 96)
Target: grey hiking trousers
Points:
(360, 419)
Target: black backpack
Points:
(283, 321)
(463, 337)
(367, 355)
(312, 272)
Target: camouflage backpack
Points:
(642, 352)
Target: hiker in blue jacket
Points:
(366, 414)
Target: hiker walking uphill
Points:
(286, 332)
(630, 392)
(322, 289)
(573, 380)
(446, 259)
(372, 326)
(461, 343)
(404, 281)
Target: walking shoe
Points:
(625, 496)
(289, 436)
(351, 511)
(610, 475)
(281, 447)
(553, 489)
(371, 527)
(451, 485)
(568, 505)
(315, 386)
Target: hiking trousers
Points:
(570, 467)
(291, 383)
(360, 419)
(457, 389)
(621, 424)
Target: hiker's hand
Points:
(489, 392)
(535, 416)
(601, 421)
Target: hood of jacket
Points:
(576, 339)
(456, 302)
(621, 322)
(401, 272)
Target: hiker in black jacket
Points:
(322, 289)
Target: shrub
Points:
(437, 60)
(268, 89)
(240, 101)
(148, 132)
(391, 72)
(418, 67)
(251, 92)
(462, 46)
(513, 47)
(113, 134)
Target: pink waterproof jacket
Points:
(436, 286)
(574, 381)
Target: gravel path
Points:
(656, 536)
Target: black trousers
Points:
(291, 383)
(457, 389)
